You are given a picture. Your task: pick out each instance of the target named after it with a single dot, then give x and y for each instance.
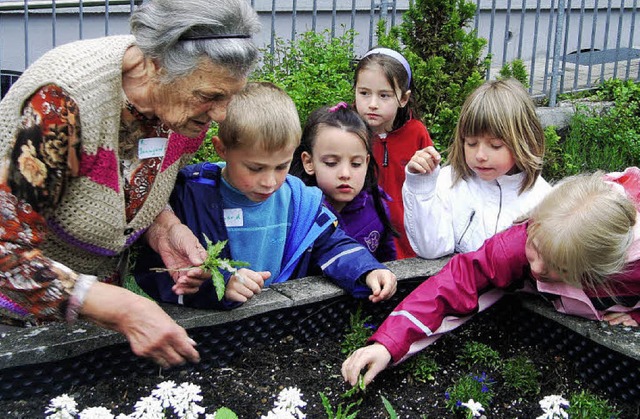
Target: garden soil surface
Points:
(250, 384)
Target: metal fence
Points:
(565, 45)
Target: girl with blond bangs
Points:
(580, 246)
(493, 175)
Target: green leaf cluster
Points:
(314, 69)
(521, 375)
(470, 387)
(517, 70)
(357, 333)
(587, 405)
(477, 354)
(421, 367)
(213, 264)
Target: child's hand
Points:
(375, 357)
(245, 284)
(424, 161)
(620, 318)
(383, 284)
(190, 282)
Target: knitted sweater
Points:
(88, 230)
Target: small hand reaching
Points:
(245, 284)
(424, 161)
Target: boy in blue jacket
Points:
(270, 219)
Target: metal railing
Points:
(565, 45)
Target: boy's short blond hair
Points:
(583, 230)
(501, 109)
(261, 115)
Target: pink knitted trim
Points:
(180, 145)
(102, 168)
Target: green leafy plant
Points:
(445, 55)
(359, 331)
(468, 387)
(521, 375)
(476, 354)
(587, 405)
(206, 152)
(389, 408)
(421, 367)
(342, 410)
(213, 264)
(517, 70)
(315, 69)
(605, 138)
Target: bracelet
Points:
(80, 290)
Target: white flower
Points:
(96, 413)
(62, 407)
(475, 408)
(148, 408)
(553, 407)
(164, 392)
(185, 400)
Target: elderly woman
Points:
(92, 136)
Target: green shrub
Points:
(521, 375)
(469, 387)
(606, 139)
(421, 367)
(358, 333)
(315, 69)
(586, 405)
(476, 354)
(206, 152)
(515, 69)
(445, 57)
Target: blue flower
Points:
(484, 389)
(447, 396)
(370, 326)
(459, 403)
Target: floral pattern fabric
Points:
(43, 159)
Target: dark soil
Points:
(250, 384)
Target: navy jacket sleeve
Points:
(344, 260)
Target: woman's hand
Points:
(149, 330)
(245, 284)
(179, 248)
(376, 357)
(424, 161)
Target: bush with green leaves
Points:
(206, 152)
(315, 69)
(445, 55)
(605, 138)
(358, 332)
(521, 375)
(421, 367)
(517, 70)
(476, 387)
(476, 354)
(586, 405)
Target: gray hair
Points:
(159, 25)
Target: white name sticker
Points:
(152, 147)
(233, 217)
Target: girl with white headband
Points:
(383, 98)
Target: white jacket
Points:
(441, 219)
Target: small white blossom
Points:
(554, 407)
(96, 413)
(475, 408)
(148, 407)
(62, 407)
(184, 402)
(164, 392)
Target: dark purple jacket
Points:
(360, 220)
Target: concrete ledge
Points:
(55, 342)
(58, 341)
(625, 340)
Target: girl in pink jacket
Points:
(581, 245)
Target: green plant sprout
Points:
(421, 367)
(587, 405)
(359, 331)
(390, 410)
(521, 375)
(479, 354)
(213, 264)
